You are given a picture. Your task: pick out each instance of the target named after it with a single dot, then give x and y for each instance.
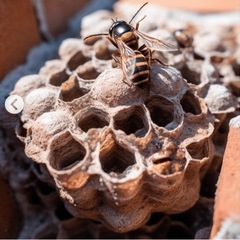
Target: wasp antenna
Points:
(138, 11)
(95, 35)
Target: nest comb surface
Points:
(116, 152)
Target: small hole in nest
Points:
(114, 158)
(67, 153)
(161, 111)
(161, 160)
(190, 75)
(87, 71)
(102, 50)
(190, 103)
(198, 150)
(71, 90)
(94, 118)
(58, 78)
(77, 60)
(132, 121)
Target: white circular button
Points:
(14, 104)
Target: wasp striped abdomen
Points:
(138, 69)
(145, 51)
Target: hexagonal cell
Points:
(114, 158)
(92, 118)
(161, 111)
(76, 60)
(102, 50)
(190, 103)
(191, 74)
(58, 78)
(45, 127)
(71, 90)
(198, 150)
(87, 71)
(66, 152)
(132, 120)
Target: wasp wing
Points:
(128, 59)
(154, 43)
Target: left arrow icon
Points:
(14, 104)
(15, 100)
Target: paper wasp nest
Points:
(122, 155)
(116, 152)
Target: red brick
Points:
(227, 201)
(58, 12)
(18, 33)
(10, 217)
(200, 6)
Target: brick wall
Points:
(11, 218)
(25, 23)
(199, 6)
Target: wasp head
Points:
(118, 28)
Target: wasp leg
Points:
(137, 24)
(130, 85)
(159, 61)
(117, 57)
(150, 59)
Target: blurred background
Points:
(27, 23)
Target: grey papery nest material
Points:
(117, 153)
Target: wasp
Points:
(183, 38)
(134, 65)
(133, 59)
